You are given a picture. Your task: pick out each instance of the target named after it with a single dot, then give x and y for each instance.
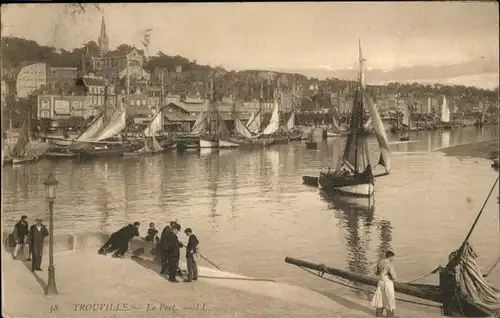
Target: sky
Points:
(309, 36)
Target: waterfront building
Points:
(63, 106)
(30, 78)
(94, 87)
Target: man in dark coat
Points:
(173, 252)
(163, 247)
(21, 230)
(37, 234)
(119, 240)
(191, 250)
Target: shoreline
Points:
(109, 287)
(483, 150)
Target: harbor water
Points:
(250, 209)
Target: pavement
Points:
(92, 285)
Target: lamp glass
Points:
(50, 191)
(50, 187)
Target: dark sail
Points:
(355, 154)
(22, 141)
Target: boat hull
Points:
(227, 144)
(331, 134)
(61, 155)
(17, 161)
(364, 190)
(59, 141)
(358, 185)
(208, 143)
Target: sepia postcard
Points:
(250, 159)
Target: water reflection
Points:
(356, 216)
(445, 139)
(212, 166)
(385, 236)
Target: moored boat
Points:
(107, 150)
(59, 141)
(228, 143)
(208, 142)
(61, 153)
(21, 152)
(353, 174)
(463, 290)
(21, 160)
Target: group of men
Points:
(167, 249)
(34, 236)
(168, 246)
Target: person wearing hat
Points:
(191, 250)
(173, 252)
(37, 234)
(21, 230)
(162, 248)
(385, 297)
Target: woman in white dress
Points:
(385, 297)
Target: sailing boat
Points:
(100, 146)
(445, 114)
(463, 290)
(406, 124)
(293, 134)
(354, 174)
(21, 151)
(151, 145)
(211, 137)
(254, 122)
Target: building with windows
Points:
(94, 88)
(115, 66)
(30, 78)
(61, 106)
(61, 78)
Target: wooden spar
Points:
(430, 293)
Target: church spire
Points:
(103, 39)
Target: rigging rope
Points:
(324, 270)
(495, 263)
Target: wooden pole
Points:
(429, 294)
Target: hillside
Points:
(245, 85)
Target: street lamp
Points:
(50, 194)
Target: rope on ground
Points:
(324, 270)
(240, 278)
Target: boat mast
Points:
(105, 100)
(260, 105)
(161, 89)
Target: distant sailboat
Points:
(445, 114)
(21, 153)
(406, 124)
(353, 174)
(151, 145)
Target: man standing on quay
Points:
(173, 252)
(37, 234)
(191, 250)
(21, 230)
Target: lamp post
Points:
(50, 193)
